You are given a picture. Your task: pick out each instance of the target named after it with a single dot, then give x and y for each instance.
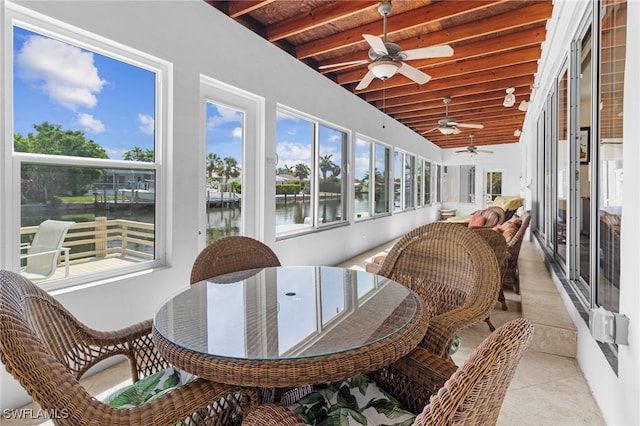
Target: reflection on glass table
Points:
(289, 325)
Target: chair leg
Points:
(502, 300)
(491, 326)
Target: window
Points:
(88, 142)
(224, 142)
(371, 195)
(460, 184)
(428, 183)
(403, 181)
(310, 184)
(438, 186)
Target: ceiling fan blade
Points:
(428, 52)
(462, 150)
(366, 80)
(482, 150)
(342, 64)
(431, 130)
(471, 126)
(413, 73)
(376, 44)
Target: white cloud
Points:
(89, 123)
(227, 115)
(237, 132)
(63, 72)
(292, 153)
(146, 124)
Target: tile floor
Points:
(546, 390)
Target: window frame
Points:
(10, 210)
(346, 180)
(373, 145)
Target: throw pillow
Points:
(477, 221)
(379, 259)
(357, 401)
(148, 388)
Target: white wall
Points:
(502, 159)
(616, 395)
(197, 39)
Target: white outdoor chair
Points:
(42, 253)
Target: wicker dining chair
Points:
(499, 245)
(512, 274)
(470, 395)
(453, 270)
(232, 254)
(48, 350)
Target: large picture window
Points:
(310, 184)
(85, 141)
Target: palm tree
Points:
(301, 171)
(326, 165)
(214, 164)
(230, 169)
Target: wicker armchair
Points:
(456, 273)
(232, 254)
(48, 350)
(471, 395)
(512, 276)
(499, 246)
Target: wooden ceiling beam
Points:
(506, 41)
(431, 14)
(458, 104)
(317, 17)
(504, 61)
(238, 8)
(470, 79)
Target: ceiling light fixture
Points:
(449, 130)
(518, 132)
(523, 106)
(510, 99)
(384, 69)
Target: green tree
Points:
(137, 154)
(43, 181)
(214, 164)
(301, 171)
(230, 168)
(326, 165)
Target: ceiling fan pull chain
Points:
(384, 102)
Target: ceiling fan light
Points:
(384, 69)
(447, 130)
(510, 99)
(524, 105)
(518, 132)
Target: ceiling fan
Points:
(385, 58)
(472, 150)
(448, 125)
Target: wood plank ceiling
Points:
(496, 43)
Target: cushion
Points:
(477, 220)
(509, 229)
(357, 401)
(148, 388)
(379, 259)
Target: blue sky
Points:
(110, 101)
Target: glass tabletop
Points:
(285, 312)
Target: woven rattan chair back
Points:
(453, 270)
(499, 246)
(232, 254)
(48, 350)
(469, 395)
(476, 391)
(512, 276)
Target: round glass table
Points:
(289, 326)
